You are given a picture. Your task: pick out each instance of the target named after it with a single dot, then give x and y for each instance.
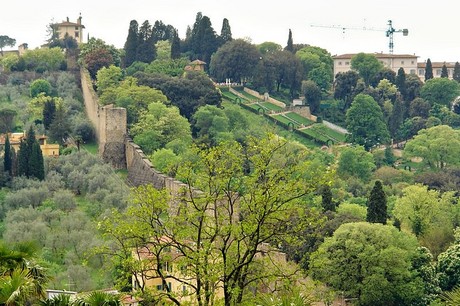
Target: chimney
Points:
(79, 20)
(67, 19)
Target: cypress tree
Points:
(36, 164)
(444, 72)
(225, 32)
(326, 199)
(131, 43)
(400, 82)
(8, 157)
(456, 74)
(146, 51)
(290, 43)
(49, 110)
(377, 205)
(428, 70)
(175, 46)
(23, 160)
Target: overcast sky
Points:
(434, 30)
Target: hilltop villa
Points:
(410, 64)
(71, 29)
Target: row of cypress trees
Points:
(29, 159)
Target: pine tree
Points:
(225, 32)
(8, 157)
(290, 43)
(175, 46)
(456, 74)
(444, 72)
(377, 205)
(389, 156)
(326, 199)
(131, 43)
(428, 70)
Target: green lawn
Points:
(301, 119)
(91, 147)
(247, 95)
(286, 120)
(272, 106)
(314, 134)
(322, 129)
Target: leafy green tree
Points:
(170, 67)
(290, 44)
(385, 73)
(225, 32)
(427, 214)
(355, 161)
(419, 108)
(377, 205)
(6, 41)
(188, 93)
(7, 116)
(444, 71)
(269, 47)
(413, 87)
(216, 250)
(40, 86)
(378, 269)
(438, 146)
(367, 65)
(131, 43)
(160, 125)
(96, 54)
(108, 77)
(428, 70)
(365, 122)
(133, 97)
(448, 265)
(288, 72)
(44, 59)
(456, 74)
(236, 60)
(440, 90)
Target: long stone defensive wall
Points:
(117, 148)
(109, 123)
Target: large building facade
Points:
(410, 64)
(70, 29)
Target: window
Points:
(347, 63)
(159, 287)
(76, 34)
(76, 28)
(421, 71)
(402, 62)
(412, 62)
(340, 63)
(412, 71)
(438, 71)
(184, 289)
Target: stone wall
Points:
(110, 124)
(265, 97)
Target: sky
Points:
(434, 31)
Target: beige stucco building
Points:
(16, 138)
(410, 64)
(72, 29)
(342, 63)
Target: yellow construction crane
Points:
(389, 31)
